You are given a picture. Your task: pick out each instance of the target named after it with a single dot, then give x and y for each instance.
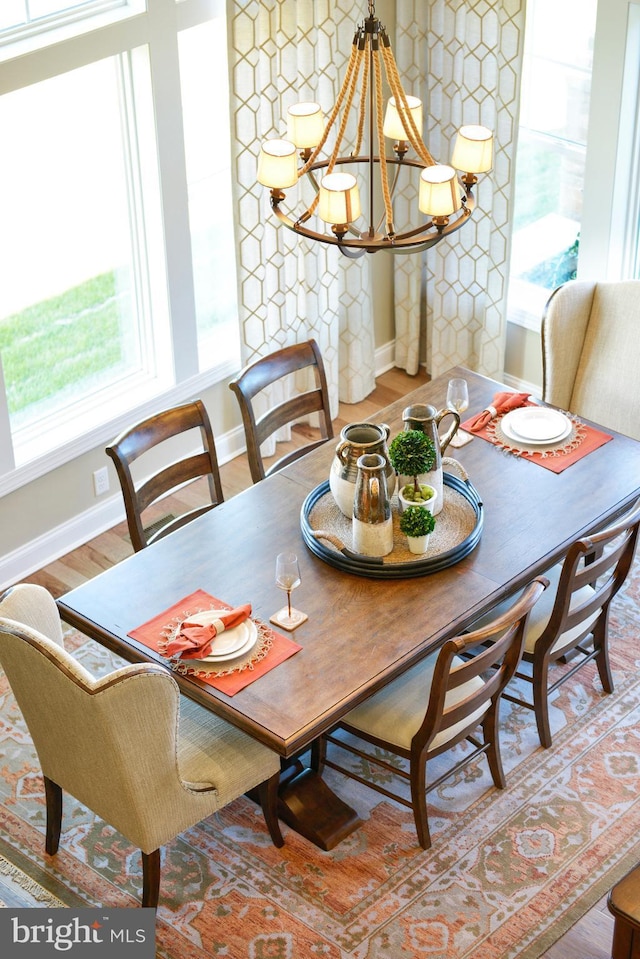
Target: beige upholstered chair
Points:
(436, 704)
(143, 490)
(573, 615)
(146, 760)
(266, 371)
(591, 352)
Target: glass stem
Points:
(289, 602)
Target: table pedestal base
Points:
(306, 803)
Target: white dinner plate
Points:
(231, 642)
(536, 424)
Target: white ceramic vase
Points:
(418, 544)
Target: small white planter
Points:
(428, 504)
(418, 544)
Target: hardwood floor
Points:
(591, 937)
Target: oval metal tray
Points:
(335, 543)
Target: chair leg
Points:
(418, 776)
(268, 798)
(601, 643)
(53, 795)
(491, 734)
(541, 701)
(150, 878)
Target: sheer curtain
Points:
(464, 60)
(282, 52)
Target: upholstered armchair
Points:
(146, 760)
(591, 352)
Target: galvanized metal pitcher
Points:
(372, 523)
(422, 416)
(356, 440)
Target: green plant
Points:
(412, 452)
(417, 521)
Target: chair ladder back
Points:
(264, 372)
(144, 436)
(493, 665)
(601, 561)
(172, 476)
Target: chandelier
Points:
(444, 197)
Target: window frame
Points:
(156, 29)
(609, 247)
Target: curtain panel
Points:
(290, 289)
(465, 61)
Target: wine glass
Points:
(458, 400)
(288, 578)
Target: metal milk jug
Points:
(427, 418)
(356, 440)
(372, 524)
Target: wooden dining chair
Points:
(140, 492)
(571, 621)
(144, 759)
(265, 372)
(432, 707)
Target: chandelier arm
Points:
(384, 176)
(397, 89)
(413, 241)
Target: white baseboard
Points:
(522, 386)
(51, 546)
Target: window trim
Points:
(609, 247)
(613, 164)
(177, 313)
(105, 432)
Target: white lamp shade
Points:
(277, 164)
(339, 198)
(439, 191)
(305, 124)
(473, 150)
(393, 126)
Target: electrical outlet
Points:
(101, 481)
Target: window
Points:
(23, 18)
(115, 194)
(551, 156)
(577, 196)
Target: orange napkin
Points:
(195, 640)
(501, 403)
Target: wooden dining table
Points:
(362, 631)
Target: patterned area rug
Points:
(509, 872)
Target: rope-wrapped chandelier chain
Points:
(364, 60)
(413, 134)
(351, 66)
(384, 174)
(444, 195)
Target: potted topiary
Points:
(417, 524)
(412, 453)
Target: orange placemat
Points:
(583, 440)
(271, 649)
